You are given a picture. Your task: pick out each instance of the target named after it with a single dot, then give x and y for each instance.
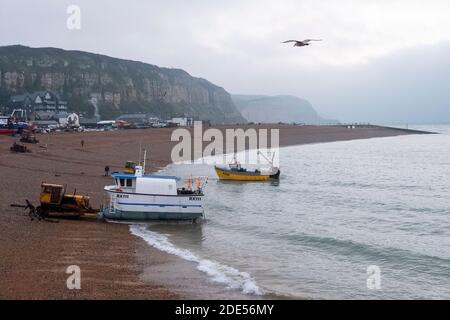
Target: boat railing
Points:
(192, 186)
(183, 191)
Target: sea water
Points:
(340, 210)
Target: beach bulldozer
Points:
(17, 147)
(54, 202)
(28, 137)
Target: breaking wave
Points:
(229, 276)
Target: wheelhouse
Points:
(125, 181)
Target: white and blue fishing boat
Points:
(152, 197)
(9, 126)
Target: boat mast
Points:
(140, 151)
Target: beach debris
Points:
(17, 147)
(298, 43)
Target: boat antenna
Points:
(268, 160)
(145, 157)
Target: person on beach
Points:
(82, 143)
(106, 171)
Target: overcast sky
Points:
(380, 60)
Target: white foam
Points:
(231, 277)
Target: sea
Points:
(360, 219)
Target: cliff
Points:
(273, 109)
(116, 86)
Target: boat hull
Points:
(224, 174)
(8, 132)
(144, 207)
(148, 216)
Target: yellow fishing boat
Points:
(234, 171)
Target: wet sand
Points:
(114, 264)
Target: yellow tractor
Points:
(130, 167)
(55, 201)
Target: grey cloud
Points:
(361, 72)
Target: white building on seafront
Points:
(183, 122)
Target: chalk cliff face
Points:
(117, 86)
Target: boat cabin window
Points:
(122, 182)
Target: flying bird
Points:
(298, 43)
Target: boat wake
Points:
(229, 276)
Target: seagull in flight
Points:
(303, 43)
